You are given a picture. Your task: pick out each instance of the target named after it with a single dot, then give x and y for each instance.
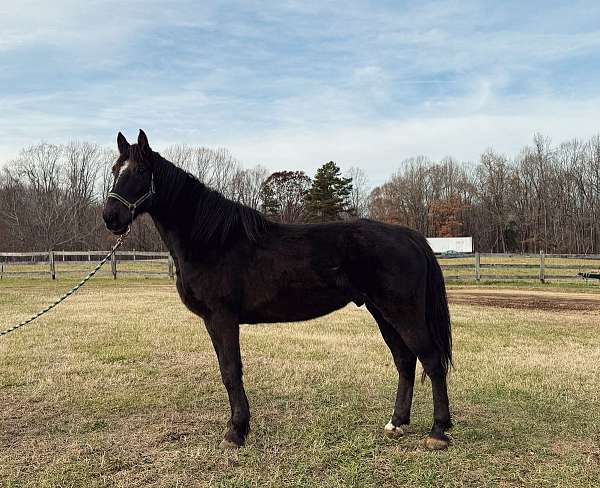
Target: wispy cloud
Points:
(295, 83)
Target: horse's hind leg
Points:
(405, 362)
(418, 339)
(441, 411)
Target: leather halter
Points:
(133, 206)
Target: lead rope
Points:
(72, 290)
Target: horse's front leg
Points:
(225, 335)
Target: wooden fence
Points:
(468, 267)
(47, 263)
(539, 267)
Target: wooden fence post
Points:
(542, 266)
(51, 264)
(171, 266)
(113, 265)
(477, 266)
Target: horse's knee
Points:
(406, 367)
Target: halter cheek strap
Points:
(133, 206)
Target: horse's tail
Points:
(437, 314)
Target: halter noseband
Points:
(132, 206)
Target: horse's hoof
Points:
(434, 444)
(227, 445)
(392, 431)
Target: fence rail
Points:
(496, 266)
(47, 263)
(475, 266)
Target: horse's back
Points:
(304, 271)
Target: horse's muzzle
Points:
(114, 220)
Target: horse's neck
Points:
(170, 238)
(174, 214)
(181, 215)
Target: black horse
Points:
(235, 266)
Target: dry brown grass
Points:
(119, 387)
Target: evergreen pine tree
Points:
(329, 196)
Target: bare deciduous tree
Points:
(282, 196)
(359, 196)
(246, 185)
(215, 168)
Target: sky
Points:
(292, 84)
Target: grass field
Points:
(119, 386)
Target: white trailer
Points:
(441, 245)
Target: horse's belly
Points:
(295, 305)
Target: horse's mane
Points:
(216, 219)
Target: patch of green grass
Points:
(119, 386)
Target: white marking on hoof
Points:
(434, 444)
(392, 431)
(225, 444)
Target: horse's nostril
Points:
(108, 216)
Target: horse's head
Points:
(133, 186)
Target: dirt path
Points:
(525, 299)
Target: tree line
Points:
(546, 197)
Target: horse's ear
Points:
(122, 144)
(143, 142)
